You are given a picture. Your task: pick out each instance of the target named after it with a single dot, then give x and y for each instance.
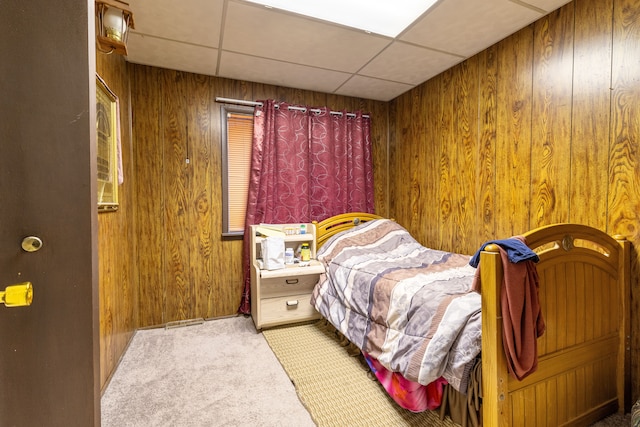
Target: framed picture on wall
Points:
(106, 127)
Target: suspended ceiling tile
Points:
(406, 63)
(465, 27)
(170, 54)
(251, 68)
(190, 21)
(370, 88)
(546, 5)
(303, 47)
(263, 32)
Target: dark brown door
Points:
(49, 354)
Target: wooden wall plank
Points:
(447, 155)
(201, 168)
(148, 158)
(414, 162)
(394, 151)
(485, 188)
(551, 117)
(429, 151)
(513, 133)
(591, 114)
(401, 210)
(176, 176)
(466, 144)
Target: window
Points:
(237, 133)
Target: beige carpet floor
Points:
(218, 373)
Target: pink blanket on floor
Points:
(408, 394)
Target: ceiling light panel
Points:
(387, 18)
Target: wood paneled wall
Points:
(186, 269)
(116, 243)
(542, 127)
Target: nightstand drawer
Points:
(275, 311)
(288, 285)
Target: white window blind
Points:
(239, 133)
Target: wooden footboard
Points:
(583, 357)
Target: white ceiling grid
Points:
(241, 40)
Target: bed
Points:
(582, 359)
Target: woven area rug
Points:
(335, 387)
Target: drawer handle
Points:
(292, 281)
(292, 303)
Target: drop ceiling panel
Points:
(406, 63)
(173, 55)
(251, 68)
(264, 45)
(191, 21)
(546, 5)
(379, 90)
(258, 31)
(465, 27)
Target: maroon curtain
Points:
(305, 166)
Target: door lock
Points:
(17, 295)
(31, 243)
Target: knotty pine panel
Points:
(556, 139)
(591, 109)
(416, 162)
(551, 117)
(467, 147)
(513, 133)
(200, 202)
(176, 176)
(116, 247)
(401, 165)
(395, 139)
(447, 153)
(428, 151)
(148, 154)
(487, 117)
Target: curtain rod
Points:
(291, 107)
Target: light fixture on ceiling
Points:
(114, 19)
(388, 18)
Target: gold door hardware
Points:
(31, 243)
(17, 295)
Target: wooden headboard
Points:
(338, 223)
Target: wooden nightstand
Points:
(283, 296)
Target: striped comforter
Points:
(409, 307)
